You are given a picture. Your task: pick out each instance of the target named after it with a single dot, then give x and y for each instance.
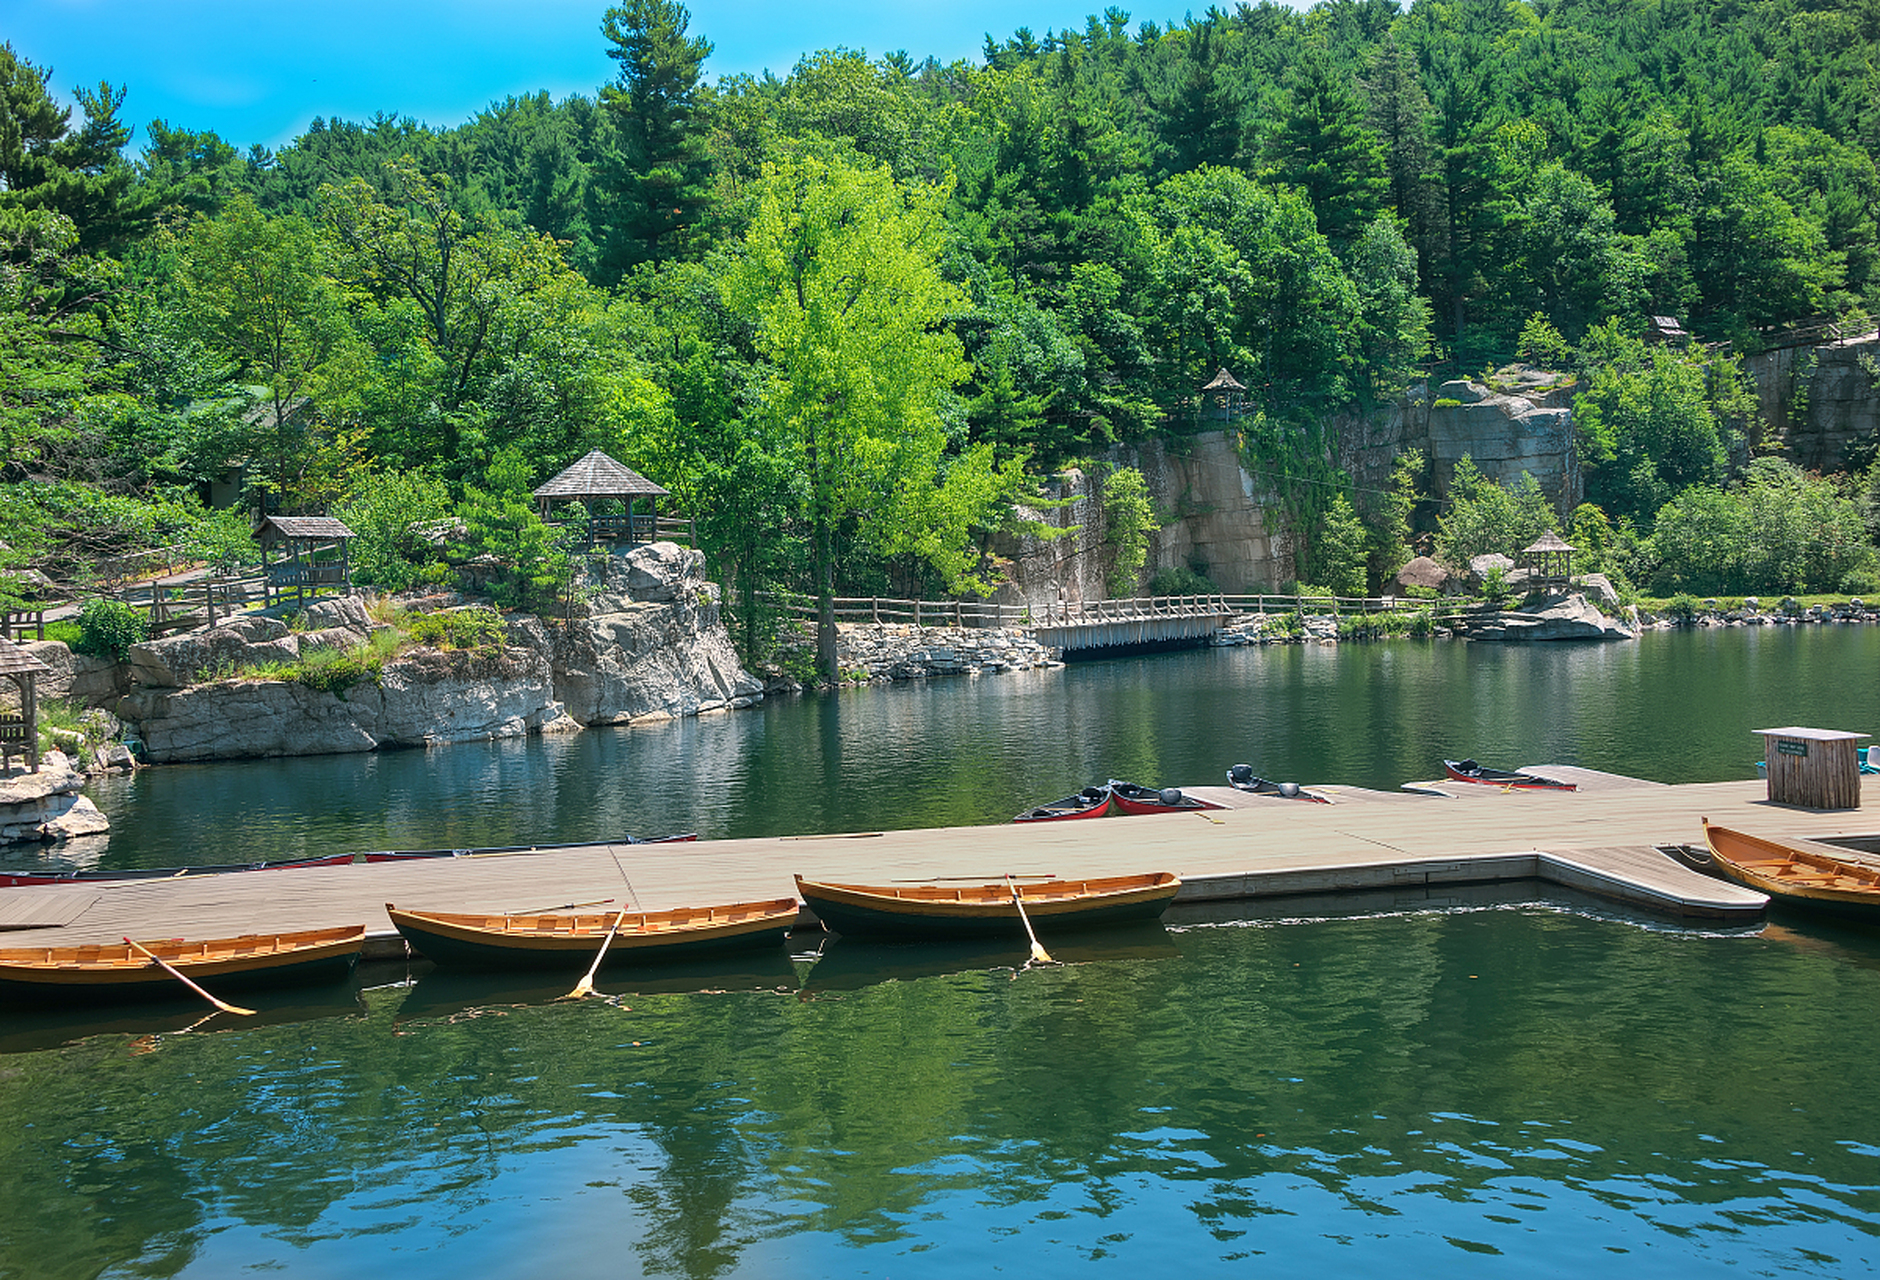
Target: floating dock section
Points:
(1603, 839)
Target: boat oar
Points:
(585, 987)
(189, 982)
(1038, 953)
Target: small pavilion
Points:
(19, 732)
(1223, 398)
(1549, 562)
(304, 554)
(598, 479)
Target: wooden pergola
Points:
(299, 540)
(1549, 561)
(597, 478)
(19, 734)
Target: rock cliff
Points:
(647, 643)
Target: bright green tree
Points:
(840, 277)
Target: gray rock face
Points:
(46, 806)
(1567, 617)
(78, 677)
(648, 644)
(890, 651)
(425, 698)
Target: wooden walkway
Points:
(1598, 839)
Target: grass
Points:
(333, 670)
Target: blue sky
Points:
(260, 70)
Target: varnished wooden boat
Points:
(1242, 778)
(1794, 873)
(545, 941)
(948, 911)
(1470, 771)
(118, 971)
(1129, 798)
(1091, 802)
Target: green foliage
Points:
(1341, 550)
(1780, 530)
(1683, 609)
(1495, 588)
(1540, 343)
(472, 628)
(1181, 581)
(1128, 521)
(1484, 517)
(108, 628)
(536, 566)
(389, 511)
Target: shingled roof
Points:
(1222, 381)
(599, 476)
(309, 527)
(1549, 541)
(15, 661)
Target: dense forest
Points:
(852, 316)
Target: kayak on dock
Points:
(1128, 798)
(539, 940)
(1795, 873)
(118, 971)
(948, 911)
(1242, 778)
(1091, 802)
(1470, 771)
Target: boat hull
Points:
(930, 912)
(1091, 802)
(1469, 771)
(571, 942)
(39, 975)
(1128, 798)
(1794, 874)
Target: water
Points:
(1498, 1088)
(1675, 707)
(1509, 1091)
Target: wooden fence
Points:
(15, 623)
(184, 606)
(970, 613)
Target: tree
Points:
(657, 183)
(1128, 520)
(45, 164)
(840, 278)
(1484, 517)
(50, 297)
(1324, 147)
(1647, 427)
(257, 286)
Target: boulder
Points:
(78, 677)
(663, 571)
(1567, 617)
(628, 661)
(177, 661)
(47, 805)
(339, 611)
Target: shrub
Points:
(475, 628)
(336, 670)
(1683, 608)
(108, 629)
(1181, 582)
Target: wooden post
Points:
(1812, 768)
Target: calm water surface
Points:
(1498, 1087)
(1676, 707)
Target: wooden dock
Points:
(1600, 839)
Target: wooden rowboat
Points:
(1794, 873)
(119, 971)
(544, 941)
(1470, 771)
(1129, 798)
(948, 911)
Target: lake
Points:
(1517, 1084)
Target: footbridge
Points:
(1106, 628)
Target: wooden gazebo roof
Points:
(15, 661)
(1549, 541)
(1222, 381)
(599, 476)
(308, 527)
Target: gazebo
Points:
(19, 733)
(323, 541)
(1549, 561)
(597, 478)
(1223, 398)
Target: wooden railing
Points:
(188, 605)
(15, 623)
(969, 613)
(152, 562)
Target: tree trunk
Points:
(826, 606)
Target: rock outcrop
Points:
(46, 806)
(647, 644)
(1558, 617)
(889, 651)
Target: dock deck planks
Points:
(1599, 838)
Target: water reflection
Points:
(1425, 1093)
